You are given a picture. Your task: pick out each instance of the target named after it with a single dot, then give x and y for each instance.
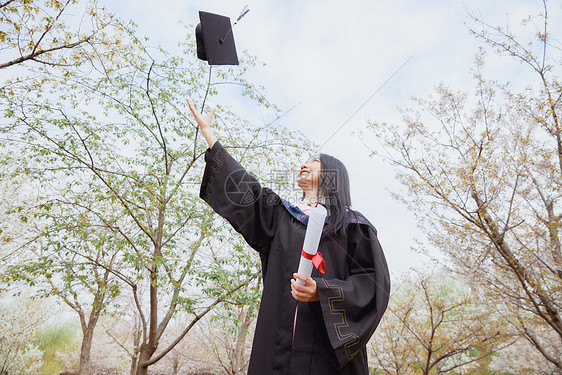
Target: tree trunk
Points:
(136, 346)
(144, 357)
(134, 363)
(240, 348)
(146, 353)
(88, 328)
(85, 350)
(148, 348)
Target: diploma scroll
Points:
(311, 240)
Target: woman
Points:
(323, 326)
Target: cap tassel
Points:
(242, 14)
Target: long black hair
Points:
(333, 187)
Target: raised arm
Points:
(204, 122)
(235, 194)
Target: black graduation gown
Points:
(330, 335)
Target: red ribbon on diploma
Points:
(317, 260)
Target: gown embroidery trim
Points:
(297, 213)
(350, 352)
(218, 158)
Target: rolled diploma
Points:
(311, 239)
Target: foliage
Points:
(435, 324)
(483, 172)
(117, 163)
(45, 32)
(19, 320)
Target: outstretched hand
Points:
(204, 122)
(304, 293)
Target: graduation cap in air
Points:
(215, 42)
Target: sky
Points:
(327, 58)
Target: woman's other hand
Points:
(304, 293)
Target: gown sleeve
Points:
(352, 308)
(238, 197)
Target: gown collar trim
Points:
(297, 213)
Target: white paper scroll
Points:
(311, 239)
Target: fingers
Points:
(195, 112)
(297, 288)
(303, 293)
(191, 108)
(297, 292)
(308, 281)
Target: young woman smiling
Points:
(338, 310)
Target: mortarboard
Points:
(215, 42)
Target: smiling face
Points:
(309, 175)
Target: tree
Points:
(19, 321)
(72, 259)
(119, 164)
(228, 334)
(66, 254)
(225, 332)
(435, 325)
(37, 31)
(484, 173)
(11, 225)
